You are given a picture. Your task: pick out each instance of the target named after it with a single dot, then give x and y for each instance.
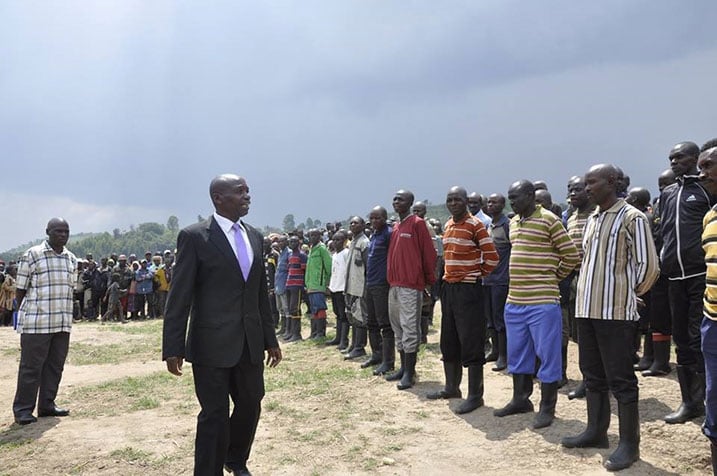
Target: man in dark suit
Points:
(219, 279)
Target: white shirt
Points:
(339, 265)
(227, 227)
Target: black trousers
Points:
(294, 299)
(42, 359)
(463, 323)
(221, 438)
(495, 297)
(377, 310)
(606, 357)
(660, 315)
(686, 307)
(338, 302)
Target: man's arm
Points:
(489, 255)
(428, 253)
(179, 303)
(644, 255)
(565, 248)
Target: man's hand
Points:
(174, 364)
(273, 357)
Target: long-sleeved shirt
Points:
(576, 228)
(499, 232)
(619, 264)
(282, 271)
(356, 268)
(318, 269)
(541, 256)
(709, 244)
(339, 266)
(377, 256)
(411, 256)
(468, 250)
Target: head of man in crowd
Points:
(639, 198)
(419, 209)
(157, 260)
(378, 217)
(58, 232)
(623, 182)
(601, 184)
(708, 145)
(294, 243)
(103, 262)
(543, 198)
(314, 236)
(230, 196)
(12, 270)
(577, 195)
(496, 205)
(402, 201)
(707, 164)
(521, 195)
(267, 244)
(666, 178)
(283, 241)
(339, 240)
(683, 159)
(148, 256)
(540, 185)
(457, 202)
(475, 202)
(356, 225)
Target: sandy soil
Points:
(359, 425)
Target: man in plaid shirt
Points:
(45, 283)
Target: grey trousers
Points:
(42, 359)
(404, 311)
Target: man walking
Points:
(46, 277)
(619, 264)
(219, 292)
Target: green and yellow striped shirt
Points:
(542, 255)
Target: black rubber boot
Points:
(351, 341)
(501, 362)
(289, 327)
(282, 326)
(388, 352)
(520, 403)
(374, 340)
(595, 434)
(454, 373)
(337, 338)
(359, 349)
(564, 378)
(628, 448)
(408, 379)
(713, 450)
(314, 323)
(344, 336)
(579, 391)
(692, 388)
(661, 363)
(648, 354)
(475, 390)
(548, 399)
(321, 328)
(295, 330)
(492, 355)
(424, 329)
(392, 377)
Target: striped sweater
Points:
(709, 244)
(468, 250)
(542, 255)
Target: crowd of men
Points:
(617, 272)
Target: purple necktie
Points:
(242, 253)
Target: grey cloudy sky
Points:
(120, 112)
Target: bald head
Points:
(601, 184)
(543, 198)
(58, 232)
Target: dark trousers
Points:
(377, 310)
(338, 302)
(463, 323)
(606, 349)
(495, 297)
(221, 438)
(709, 350)
(294, 298)
(660, 315)
(686, 307)
(42, 359)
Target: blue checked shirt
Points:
(48, 279)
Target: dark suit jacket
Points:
(209, 295)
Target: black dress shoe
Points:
(237, 471)
(25, 419)
(53, 412)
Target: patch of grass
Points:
(131, 455)
(13, 443)
(128, 394)
(152, 327)
(89, 354)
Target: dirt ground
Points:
(322, 415)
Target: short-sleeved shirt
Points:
(48, 279)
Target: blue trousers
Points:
(709, 351)
(532, 331)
